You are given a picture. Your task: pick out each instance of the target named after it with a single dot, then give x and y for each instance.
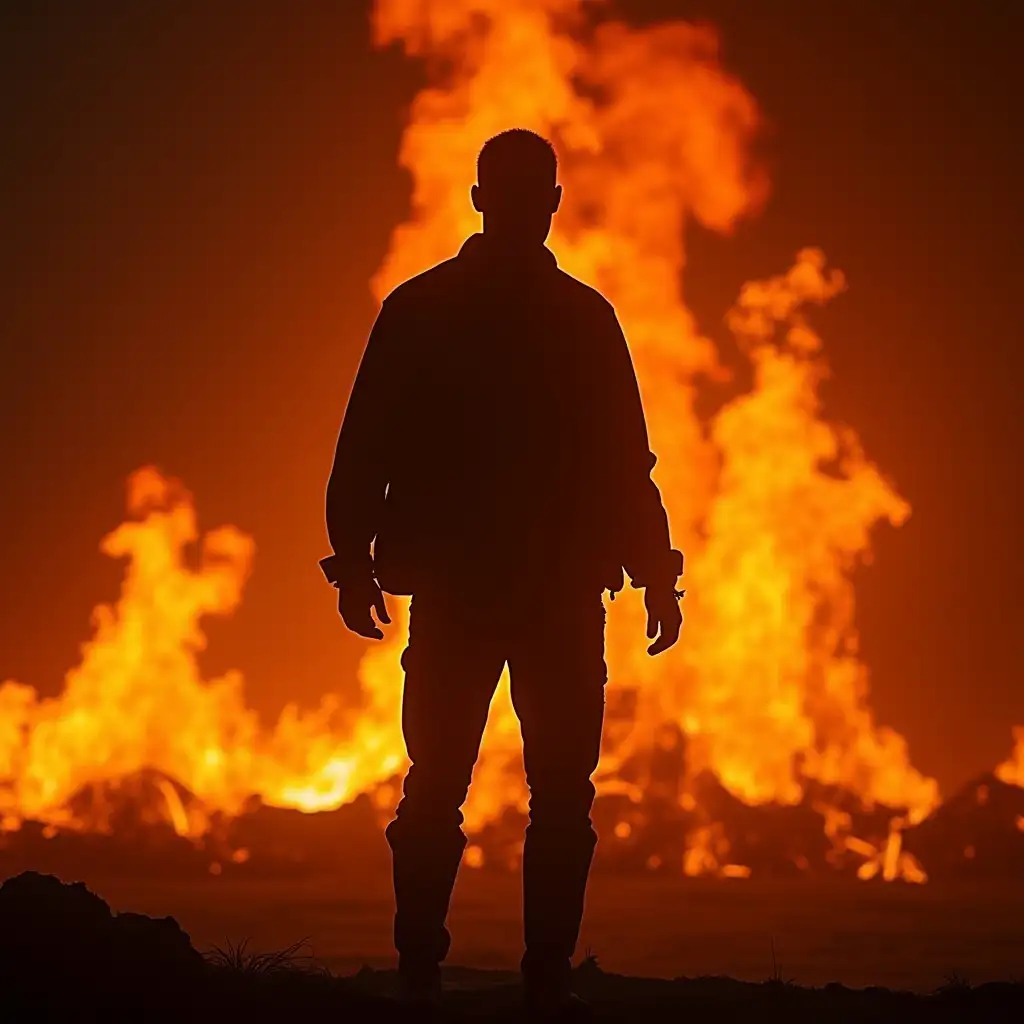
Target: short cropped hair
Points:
(517, 153)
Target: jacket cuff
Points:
(664, 573)
(341, 572)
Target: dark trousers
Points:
(458, 646)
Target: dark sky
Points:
(195, 196)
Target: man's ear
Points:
(558, 199)
(474, 195)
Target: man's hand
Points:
(664, 618)
(356, 601)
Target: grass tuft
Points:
(589, 966)
(955, 984)
(298, 957)
(777, 977)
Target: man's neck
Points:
(512, 251)
(513, 245)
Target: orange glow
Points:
(1011, 771)
(772, 504)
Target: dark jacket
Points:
(495, 433)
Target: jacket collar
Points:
(478, 248)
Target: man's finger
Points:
(658, 646)
(381, 609)
(652, 625)
(663, 643)
(358, 620)
(669, 635)
(364, 627)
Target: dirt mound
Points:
(57, 936)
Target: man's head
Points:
(516, 190)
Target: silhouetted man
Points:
(495, 455)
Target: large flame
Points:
(772, 504)
(137, 700)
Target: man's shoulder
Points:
(586, 299)
(425, 287)
(440, 283)
(585, 292)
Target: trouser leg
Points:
(450, 677)
(558, 680)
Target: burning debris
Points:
(978, 832)
(131, 828)
(124, 825)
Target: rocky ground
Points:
(62, 950)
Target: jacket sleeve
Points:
(648, 556)
(361, 470)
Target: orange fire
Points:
(1011, 771)
(137, 700)
(772, 504)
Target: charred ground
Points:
(63, 949)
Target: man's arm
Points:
(649, 559)
(361, 470)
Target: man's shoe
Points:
(420, 986)
(555, 1004)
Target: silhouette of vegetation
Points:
(777, 977)
(238, 957)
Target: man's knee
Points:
(562, 805)
(432, 801)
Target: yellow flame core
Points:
(772, 505)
